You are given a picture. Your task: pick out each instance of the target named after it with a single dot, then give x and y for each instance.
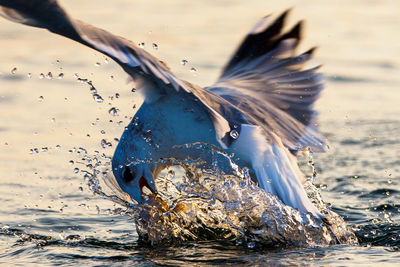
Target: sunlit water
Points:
(56, 127)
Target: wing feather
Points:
(268, 82)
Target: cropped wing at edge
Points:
(138, 63)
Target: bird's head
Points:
(132, 172)
(135, 179)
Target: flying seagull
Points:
(260, 109)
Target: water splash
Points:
(211, 198)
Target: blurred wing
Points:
(148, 72)
(267, 81)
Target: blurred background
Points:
(359, 48)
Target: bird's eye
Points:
(128, 177)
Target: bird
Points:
(261, 108)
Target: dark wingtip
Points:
(286, 13)
(281, 20)
(296, 31)
(311, 51)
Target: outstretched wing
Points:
(148, 72)
(267, 81)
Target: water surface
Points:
(49, 216)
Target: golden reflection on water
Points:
(359, 48)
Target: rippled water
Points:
(48, 214)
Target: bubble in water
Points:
(103, 132)
(234, 134)
(14, 70)
(116, 95)
(106, 61)
(29, 75)
(97, 64)
(113, 111)
(49, 75)
(71, 162)
(184, 62)
(155, 46)
(41, 98)
(142, 45)
(60, 76)
(45, 149)
(76, 170)
(193, 70)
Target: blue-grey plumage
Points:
(261, 108)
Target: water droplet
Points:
(41, 76)
(234, 134)
(45, 149)
(116, 95)
(155, 46)
(41, 98)
(142, 45)
(29, 75)
(97, 64)
(49, 75)
(98, 98)
(81, 188)
(113, 111)
(14, 70)
(184, 62)
(60, 76)
(105, 144)
(133, 90)
(103, 132)
(71, 162)
(76, 170)
(106, 61)
(251, 244)
(193, 70)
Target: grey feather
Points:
(266, 81)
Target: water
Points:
(48, 214)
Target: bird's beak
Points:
(146, 186)
(140, 188)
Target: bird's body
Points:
(260, 109)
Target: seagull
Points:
(260, 109)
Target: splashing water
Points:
(211, 198)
